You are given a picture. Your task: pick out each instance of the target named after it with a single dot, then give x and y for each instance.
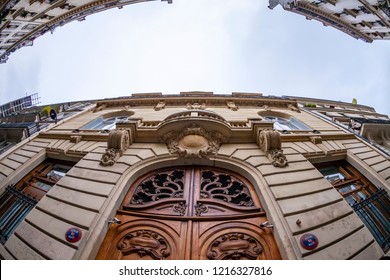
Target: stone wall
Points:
(297, 198)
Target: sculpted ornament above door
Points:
(190, 213)
(194, 141)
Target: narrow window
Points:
(102, 123)
(18, 200)
(287, 124)
(370, 203)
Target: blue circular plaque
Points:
(309, 241)
(73, 235)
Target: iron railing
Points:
(14, 206)
(375, 212)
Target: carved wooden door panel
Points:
(190, 213)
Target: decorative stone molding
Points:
(99, 108)
(293, 108)
(118, 142)
(316, 139)
(160, 105)
(270, 142)
(196, 106)
(75, 138)
(194, 141)
(266, 108)
(232, 106)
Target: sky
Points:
(221, 46)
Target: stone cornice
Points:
(329, 102)
(312, 12)
(375, 12)
(208, 100)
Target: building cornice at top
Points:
(312, 12)
(76, 13)
(360, 19)
(331, 102)
(201, 100)
(383, 3)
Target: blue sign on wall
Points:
(309, 241)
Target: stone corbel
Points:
(232, 106)
(118, 142)
(99, 108)
(316, 139)
(75, 138)
(294, 108)
(270, 142)
(160, 105)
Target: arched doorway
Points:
(190, 213)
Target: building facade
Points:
(22, 118)
(195, 176)
(363, 121)
(366, 20)
(22, 21)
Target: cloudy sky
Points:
(207, 45)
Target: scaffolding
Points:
(13, 107)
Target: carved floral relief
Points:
(234, 246)
(193, 141)
(145, 242)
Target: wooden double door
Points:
(190, 214)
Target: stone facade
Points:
(225, 131)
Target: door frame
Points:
(281, 231)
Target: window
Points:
(11, 41)
(102, 123)
(13, 25)
(19, 34)
(286, 124)
(371, 204)
(18, 200)
(30, 26)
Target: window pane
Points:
(346, 189)
(104, 124)
(332, 173)
(350, 199)
(58, 172)
(43, 185)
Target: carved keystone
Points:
(118, 142)
(270, 142)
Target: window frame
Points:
(286, 124)
(20, 198)
(371, 204)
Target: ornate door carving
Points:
(190, 213)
